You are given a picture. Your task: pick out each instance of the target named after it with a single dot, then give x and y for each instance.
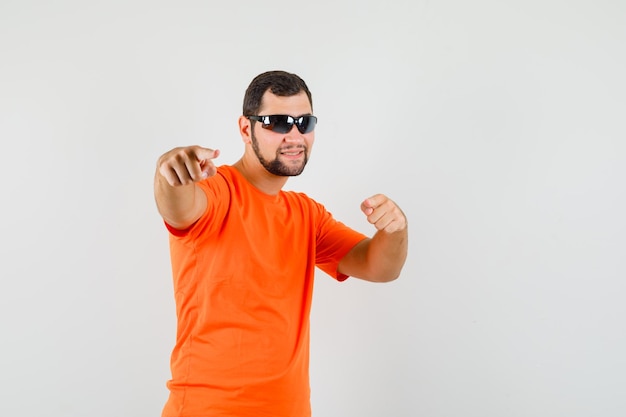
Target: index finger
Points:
(204, 154)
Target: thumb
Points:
(367, 207)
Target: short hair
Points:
(280, 83)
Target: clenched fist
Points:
(186, 165)
(383, 213)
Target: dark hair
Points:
(280, 83)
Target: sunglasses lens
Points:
(278, 123)
(307, 124)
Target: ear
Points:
(245, 129)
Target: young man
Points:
(244, 254)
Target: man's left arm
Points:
(380, 258)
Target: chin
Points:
(278, 168)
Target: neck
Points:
(258, 176)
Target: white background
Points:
(498, 126)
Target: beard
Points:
(276, 166)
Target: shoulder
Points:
(300, 197)
(312, 207)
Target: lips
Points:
(292, 151)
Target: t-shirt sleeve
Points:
(333, 241)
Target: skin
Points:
(180, 202)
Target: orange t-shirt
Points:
(243, 280)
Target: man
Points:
(244, 254)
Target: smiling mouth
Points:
(292, 152)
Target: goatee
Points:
(276, 166)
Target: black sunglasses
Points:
(282, 123)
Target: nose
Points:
(294, 135)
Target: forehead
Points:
(296, 105)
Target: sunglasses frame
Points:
(267, 123)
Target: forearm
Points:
(384, 255)
(379, 259)
(387, 254)
(179, 206)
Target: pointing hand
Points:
(383, 213)
(183, 166)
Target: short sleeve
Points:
(333, 241)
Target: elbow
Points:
(385, 277)
(390, 278)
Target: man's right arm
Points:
(179, 200)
